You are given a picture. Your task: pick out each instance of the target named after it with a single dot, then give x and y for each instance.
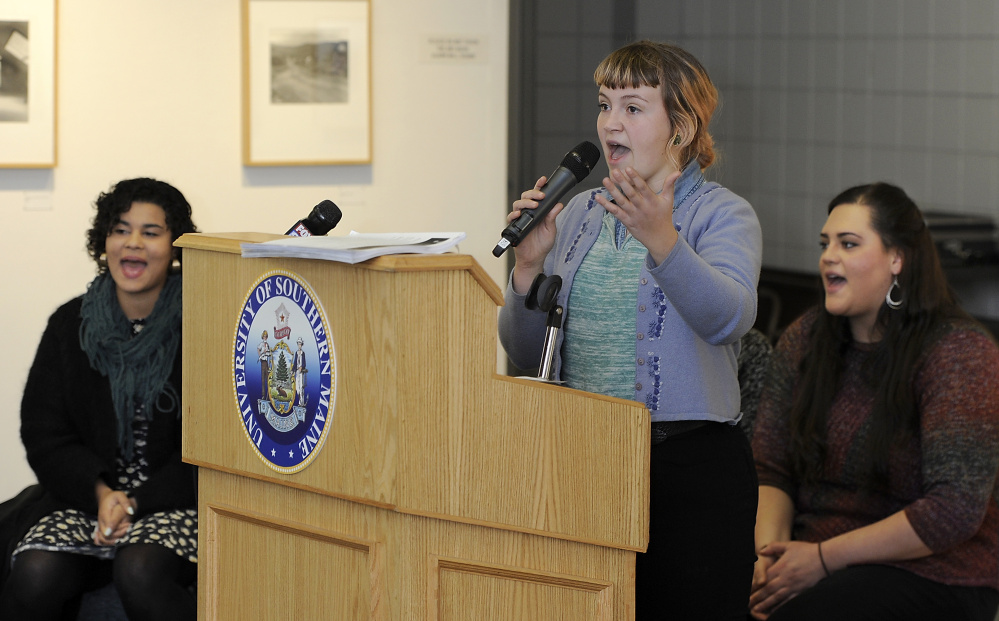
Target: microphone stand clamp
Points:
(542, 297)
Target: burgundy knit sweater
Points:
(945, 479)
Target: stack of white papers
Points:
(355, 247)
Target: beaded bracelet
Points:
(823, 560)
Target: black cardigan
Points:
(68, 427)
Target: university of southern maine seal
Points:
(284, 371)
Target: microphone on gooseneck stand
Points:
(320, 221)
(574, 167)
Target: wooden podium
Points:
(443, 490)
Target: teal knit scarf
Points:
(139, 366)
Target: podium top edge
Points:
(222, 242)
(230, 243)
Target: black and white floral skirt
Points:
(72, 530)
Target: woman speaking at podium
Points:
(659, 270)
(101, 426)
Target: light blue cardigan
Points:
(691, 311)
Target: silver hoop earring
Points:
(102, 262)
(893, 304)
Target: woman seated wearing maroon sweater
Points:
(876, 436)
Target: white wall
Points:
(152, 88)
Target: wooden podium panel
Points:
(276, 552)
(443, 491)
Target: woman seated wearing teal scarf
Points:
(100, 422)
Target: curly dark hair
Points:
(110, 205)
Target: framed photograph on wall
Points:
(306, 82)
(27, 83)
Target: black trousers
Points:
(882, 593)
(704, 493)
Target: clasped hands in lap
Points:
(783, 570)
(114, 515)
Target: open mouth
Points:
(834, 281)
(132, 268)
(616, 151)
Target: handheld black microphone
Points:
(574, 167)
(323, 217)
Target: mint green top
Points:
(598, 353)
